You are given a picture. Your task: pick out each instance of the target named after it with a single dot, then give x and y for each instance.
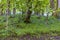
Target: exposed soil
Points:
(28, 37)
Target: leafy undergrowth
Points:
(17, 27)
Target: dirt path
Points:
(28, 37)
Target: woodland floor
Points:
(28, 37)
(38, 29)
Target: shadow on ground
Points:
(28, 37)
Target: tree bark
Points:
(27, 20)
(1, 12)
(1, 9)
(14, 11)
(29, 12)
(52, 5)
(55, 13)
(54, 8)
(8, 9)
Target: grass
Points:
(37, 26)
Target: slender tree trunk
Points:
(57, 4)
(42, 12)
(29, 12)
(1, 12)
(22, 13)
(47, 17)
(14, 11)
(38, 14)
(8, 9)
(1, 9)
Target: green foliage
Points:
(38, 5)
(2, 22)
(17, 27)
(37, 26)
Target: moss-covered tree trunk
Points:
(55, 8)
(29, 12)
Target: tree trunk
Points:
(1, 12)
(14, 11)
(42, 12)
(1, 9)
(29, 12)
(22, 13)
(56, 7)
(27, 20)
(47, 17)
(8, 9)
(52, 5)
